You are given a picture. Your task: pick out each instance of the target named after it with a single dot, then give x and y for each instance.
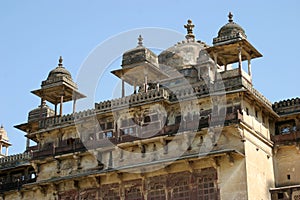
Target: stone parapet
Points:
(287, 106)
(46, 83)
(69, 118)
(14, 160)
(150, 96)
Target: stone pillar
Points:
(27, 139)
(61, 105)
(27, 143)
(123, 88)
(240, 59)
(146, 84)
(41, 108)
(55, 109)
(74, 105)
(6, 151)
(0, 148)
(249, 67)
(146, 79)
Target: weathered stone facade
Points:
(194, 128)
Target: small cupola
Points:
(229, 32)
(4, 142)
(139, 55)
(42, 111)
(139, 68)
(59, 74)
(232, 46)
(57, 89)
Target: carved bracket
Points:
(230, 158)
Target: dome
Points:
(41, 111)
(59, 71)
(3, 134)
(138, 55)
(183, 54)
(230, 31)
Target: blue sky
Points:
(35, 33)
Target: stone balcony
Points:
(15, 160)
(106, 106)
(231, 81)
(21, 164)
(291, 137)
(66, 146)
(17, 185)
(133, 100)
(66, 119)
(135, 132)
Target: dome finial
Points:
(189, 27)
(60, 61)
(140, 41)
(230, 16)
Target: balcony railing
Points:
(151, 95)
(286, 138)
(136, 132)
(66, 146)
(14, 185)
(15, 158)
(70, 118)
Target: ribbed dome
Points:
(3, 134)
(182, 54)
(59, 71)
(229, 31)
(138, 55)
(41, 111)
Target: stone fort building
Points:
(193, 128)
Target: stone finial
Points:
(60, 61)
(140, 41)
(189, 27)
(230, 16)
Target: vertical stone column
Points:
(6, 151)
(55, 109)
(74, 105)
(123, 87)
(240, 59)
(146, 83)
(27, 139)
(41, 108)
(249, 68)
(27, 143)
(61, 104)
(146, 80)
